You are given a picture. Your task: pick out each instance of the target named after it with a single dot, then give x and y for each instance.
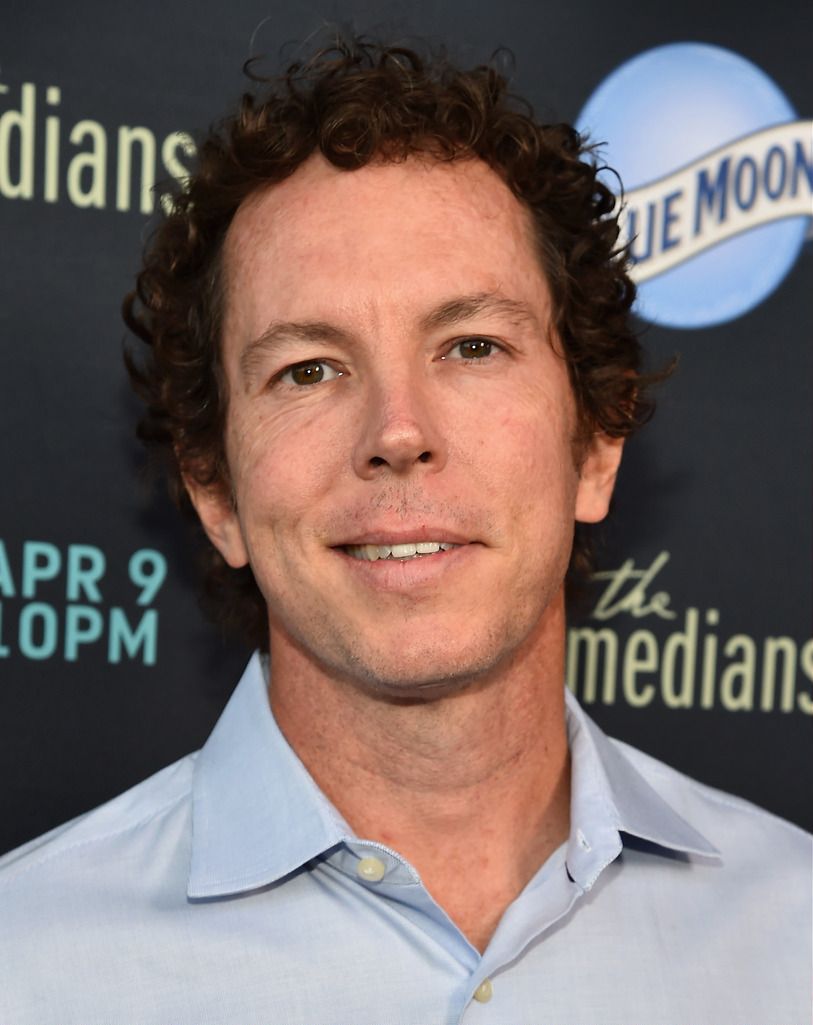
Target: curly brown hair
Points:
(354, 102)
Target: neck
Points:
(473, 788)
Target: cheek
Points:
(530, 439)
(249, 454)
(280, 465)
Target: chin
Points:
(412, 658)
(426, 672)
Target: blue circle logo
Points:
(718, 179)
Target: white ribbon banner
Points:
(762, 177)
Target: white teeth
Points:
(406, 551)
(403, 551)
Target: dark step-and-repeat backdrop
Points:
(695, 643)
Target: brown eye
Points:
(313, 372)
(472, 348)
(475, 348)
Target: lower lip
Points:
(407, 574)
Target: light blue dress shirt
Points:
(226, 890)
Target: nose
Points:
(400, 431)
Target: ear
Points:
(597, 477)
(218, 516)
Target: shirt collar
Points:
(258, 816)
(609, 796)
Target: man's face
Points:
(393, 381)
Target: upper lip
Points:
(403, 535)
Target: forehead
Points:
(386, 233)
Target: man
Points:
(389, 357)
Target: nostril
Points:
(424, 457)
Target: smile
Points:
(410, 550)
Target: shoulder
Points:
(88, 897)
(144, 807)
(731, 823)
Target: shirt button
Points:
(484, 991)
(371, 870)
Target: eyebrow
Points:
(447, 314)
(285, 331)
(466, 307)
